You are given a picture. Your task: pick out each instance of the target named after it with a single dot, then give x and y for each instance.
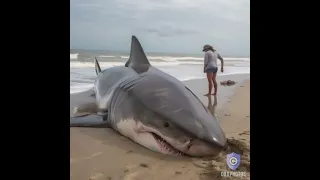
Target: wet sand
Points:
(99, 153)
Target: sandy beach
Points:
(103, 154)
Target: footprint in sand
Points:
(245, 133)
(201, 163)
(136, 172)
(97, 176)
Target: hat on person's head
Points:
(206, 47)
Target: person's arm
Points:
(206, 59)
(221, 59)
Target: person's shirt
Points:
(210, 59)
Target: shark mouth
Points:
(165, 147)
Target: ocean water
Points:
(183, 67)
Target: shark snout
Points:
(198, 147)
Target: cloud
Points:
(168, 30)
(88, 5)
(162, 26)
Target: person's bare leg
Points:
(209, 77)
(215, 85)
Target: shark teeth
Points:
(166, 147)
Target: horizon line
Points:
(116, 51)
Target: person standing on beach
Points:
(211, 67)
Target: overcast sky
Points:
(179, 26)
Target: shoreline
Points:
(97, 153)
(219, 76)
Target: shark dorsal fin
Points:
(137, 55)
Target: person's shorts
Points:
(212, 70)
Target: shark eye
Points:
(166, 124)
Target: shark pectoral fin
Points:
(92, 120)
(77, 100)
(97, 66)
(85, 109)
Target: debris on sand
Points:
(227, 83)
(144, 165)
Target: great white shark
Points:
(151, 108)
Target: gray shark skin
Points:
(152, 109)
